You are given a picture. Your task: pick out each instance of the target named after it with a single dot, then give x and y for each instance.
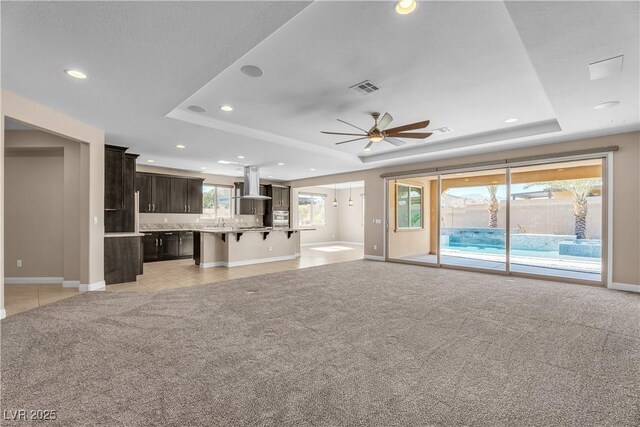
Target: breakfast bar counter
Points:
(226, 247)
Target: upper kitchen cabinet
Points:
(178, 196)
(114, 177)
(169, 194)
(246, 206)
(161, 194)
(144, 186)
(279, 198)
(194, 195)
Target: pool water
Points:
(494, 250)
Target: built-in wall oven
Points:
(280, 219)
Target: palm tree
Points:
(579, 189)
(493, 205)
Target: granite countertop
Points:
(126, 234)
(220, 230)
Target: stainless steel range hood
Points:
(252, 184)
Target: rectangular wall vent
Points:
(364, 88)
(606, 67)
(444, 129)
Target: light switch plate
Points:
(19, 263)
(95, 219)
(165, 220)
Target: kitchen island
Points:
(220, 247)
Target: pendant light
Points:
(335, 200)
(350, 199)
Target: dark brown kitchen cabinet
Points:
(144, 185)
(166, 245)
(279, 198)
(249, 206)
(169, 194)
(121, 259)
(169, 245)
(114, 177)
(194, 195)
(179, 195)
(161, 194)
(150, 247)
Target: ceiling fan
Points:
(380, 132)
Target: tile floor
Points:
(175, 274)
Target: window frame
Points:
(312, 225)
(410, 227)
(215, 203)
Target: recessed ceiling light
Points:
(312, 169)
(76, 74)
(196, 108)
(226, 108)
(511, 120)
(608, 104)
(270, 176)
(227, 162)
(151, 161)
(252, 71)
(405, 7)
(203, 168)
(280, 164)
(241, 157)
(181, 146)
(560, 170)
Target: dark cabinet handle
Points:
(153, 207)
(180, 240)
(160, 242)
(156, 242)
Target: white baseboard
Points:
(33, 280)
(3, 313)
(97, 286)
(374, 257)
(334, 242)
(625, 287)
(71, 283)
(246, 261)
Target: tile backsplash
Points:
(189, 220)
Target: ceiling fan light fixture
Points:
(376, 138)
(405, 7)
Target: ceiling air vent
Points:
(364, 88)
(442, 130)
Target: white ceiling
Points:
(466, 65)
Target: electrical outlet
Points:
(166, 220)
(197, 219)
(270, 248)
(375, 247)
(19, 263)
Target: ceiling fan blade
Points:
(340, 133)
(412, 126)
(418, 135)
(385, 121)
(351, 140)
(395, 142)
(354, 126)
(368, 146)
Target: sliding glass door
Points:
(557, 219)
(543, 219)
(473, 225)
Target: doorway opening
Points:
(332, 221)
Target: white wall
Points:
(343, 223)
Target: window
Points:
(312, 209)
(216, 201)
(408, 206)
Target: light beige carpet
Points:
(356, 343)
